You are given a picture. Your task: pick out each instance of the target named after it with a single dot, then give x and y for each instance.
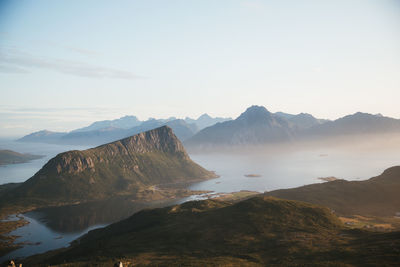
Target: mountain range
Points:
(258, 126)
(254, 126)
(101, 132)
(134, 166)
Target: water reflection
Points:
(53, 228)
(74, 218)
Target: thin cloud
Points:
(82, 51)
(79, 50)
(12, 69)
(18, 59)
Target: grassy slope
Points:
(378, 196)
(128, 166)
(260, 231)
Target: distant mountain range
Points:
(123, 123)
(255, 126)
(358, 123)
(128, 166)
(102, 132)
(259, 126)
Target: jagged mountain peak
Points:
(204, 116)
(255, 113)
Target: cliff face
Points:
(121, 167)
(160, 140)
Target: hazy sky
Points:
(64, 64)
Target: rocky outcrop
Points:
(121, 167)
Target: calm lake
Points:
(275, 168)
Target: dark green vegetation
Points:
(138, 166)
(7, 187)
(12, 157)
(260, 231)
(378, 196)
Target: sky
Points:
(65, 64)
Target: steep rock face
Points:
(125, 166)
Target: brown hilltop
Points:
(377, 196)
(121, 167)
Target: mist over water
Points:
(280, 166)
(276, 166)
(296, 164)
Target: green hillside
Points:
(378, 196)
(127, 166)
(260, 231)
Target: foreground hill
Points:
(12, 157)
(126, 166)
(260, 231)
(378, 196)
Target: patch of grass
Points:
(259, 231)
(378, 196)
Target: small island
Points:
(12, 157)
(252, 175)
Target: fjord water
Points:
(16, 173)
(287, 166)
(39, 238)
(56, 227)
